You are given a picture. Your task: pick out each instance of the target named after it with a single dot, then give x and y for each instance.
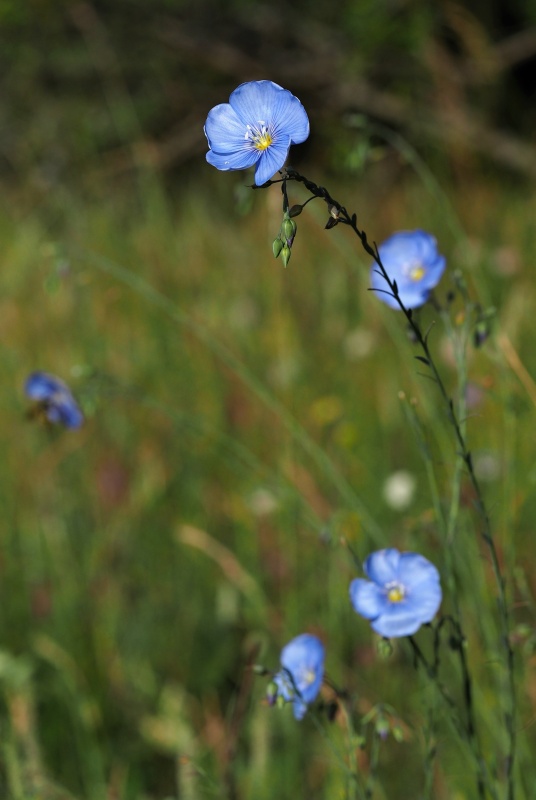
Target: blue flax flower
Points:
(53, 397)
(257, 126)
(402, 594)
(300, 679)
(411, 259)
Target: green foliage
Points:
(242, 422)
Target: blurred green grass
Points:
(241, 423)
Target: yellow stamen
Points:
(263, 141)
(308, 676)
(395, 594)
(259, 136)
(417, 272)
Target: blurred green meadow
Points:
(242, 422)
(251, 433)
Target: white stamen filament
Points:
(260, 136)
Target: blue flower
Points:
(300, 679)
(53, 397)
(402, 594)
(411, 259)
(257, 126)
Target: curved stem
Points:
(338, 214)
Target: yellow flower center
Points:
(395, 593)
(416, 272)
(260, 137)
(308, 676)
(263, 142)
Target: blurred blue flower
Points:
(257, 126)
(300, 679)
(411, 259)
(54, 399)
(402, 594)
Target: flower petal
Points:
(382, 566)
(367, 598)
(289, 116)
(65, 410)
(415, 570)
(412, 295)
(284, 685)
(267, 102)
(422, 582)
(42, 385)
(271, 160)
(240, 159)
(429, 602)
(304, 649)
(225, 132)
(423, 245)
(400, 619)
(299, 708)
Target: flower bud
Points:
(382, 727)
(334, 211)
(277, 247)
(271, 693)
(288, 230)
(481, 332)
(385, 648)
(285, 254)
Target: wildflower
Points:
(257, 126)
(399, 489)
(402, 594)
(54, 399)
(412, 261)
(299, 682)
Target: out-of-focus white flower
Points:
(262, 502)
(358, 344)
(487, 466)
(399, 489)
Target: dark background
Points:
(131, 82)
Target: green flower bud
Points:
(288, 230)
(382, 727)
(277, 247)
(385, 648)
(285, 254)
(271, 693)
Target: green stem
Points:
(338, 214)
